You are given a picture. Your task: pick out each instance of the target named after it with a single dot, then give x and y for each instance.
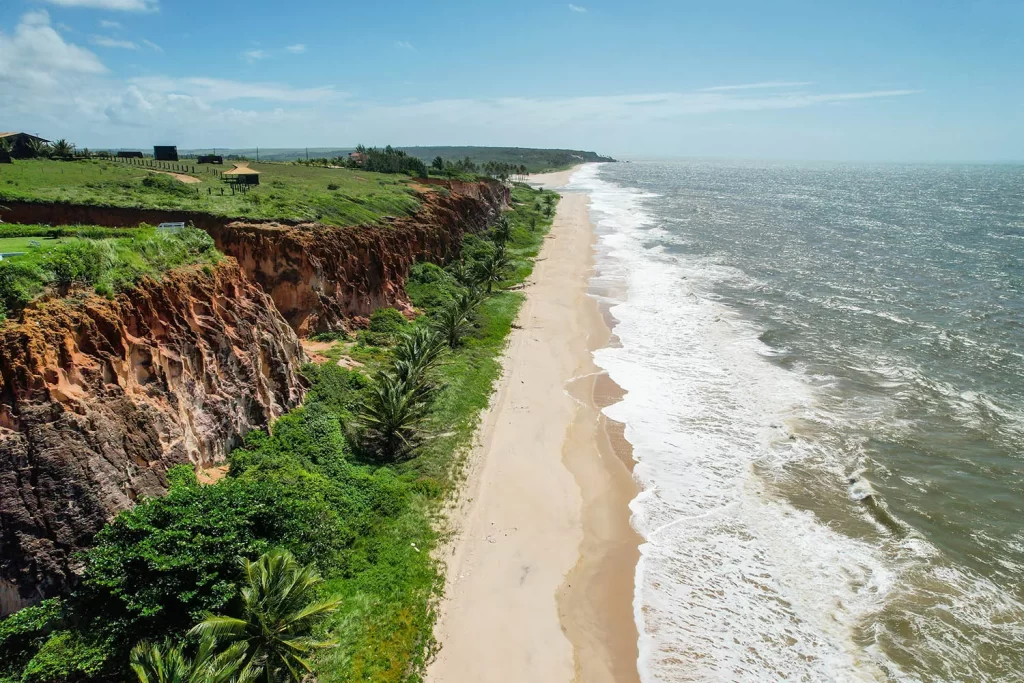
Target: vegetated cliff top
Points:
(535, 160)
(287, 191)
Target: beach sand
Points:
(541, 564)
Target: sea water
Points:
(824, 367)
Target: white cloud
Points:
(254, 55)
(107, 41)
(758, 86)
(577, 8)
(212, 90)
(106, 23)
(36, 58)
(152, 46)
(296, 49)
(117, 5)
(404, 45)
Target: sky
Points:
(864, 80)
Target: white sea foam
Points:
(733, 583)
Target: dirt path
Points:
(180, 176)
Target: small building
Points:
(165, 153)
(241, 174)
(210, 159)
(129, 155)
(357, 158)
(21, 144)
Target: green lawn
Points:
(9, 244)
(286, 191)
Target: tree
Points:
(462, 273)
(421, 349)
(62, 149)
(390, 422)
(502, 230)
(39, 149)
(454, 321)
(437, 164)
(492, 269)
(280, 612)
(166, 663)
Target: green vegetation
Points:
(286, 191)
(280, 611)
(535, 160)
(107, 266)
(352, 498)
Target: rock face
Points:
(98, 398)
(319, 275)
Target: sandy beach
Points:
(540, 568)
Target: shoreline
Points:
(541, 565)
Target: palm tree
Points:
(390, 422)
(279, 614)
(421, 349)
(492, 269)
(39, 149)
(62, 149)
(455, 320)
(165, 663)
(502, 230)
(462, 274)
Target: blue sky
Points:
(911, 80)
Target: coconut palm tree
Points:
(421, 349)
(462, 273)
(280, 611)
(62, 149)
(39, 149)
(502, 230)
(492, 269)
(390, 422)
(455, 320)
(165, 663)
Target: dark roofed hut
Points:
(165, 153)
(21, 144)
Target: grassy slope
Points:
(108, 265)
(286, 191)
(9, 244)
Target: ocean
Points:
(824, 376)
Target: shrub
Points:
(23, 633)
(69, 656)
(333, 186)
(166, 184)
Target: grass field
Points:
(286, 191)
(11, 244)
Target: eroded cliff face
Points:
(321, 276)
(98, 398)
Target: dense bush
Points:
(159, 182)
